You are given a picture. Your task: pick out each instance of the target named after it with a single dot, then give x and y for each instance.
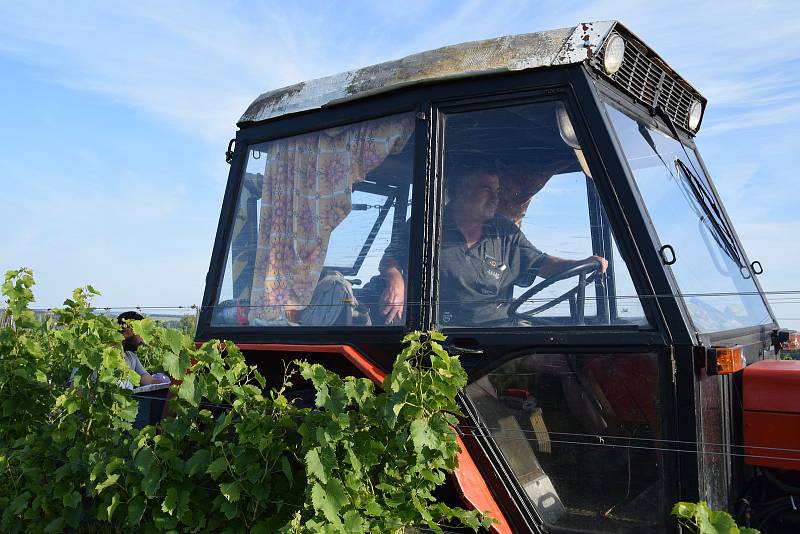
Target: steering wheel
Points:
(576, 295)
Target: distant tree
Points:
(188, 325)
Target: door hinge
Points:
(229, 152)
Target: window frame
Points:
(571, 83)
(279, 129)
(566, 94)
(612, 96)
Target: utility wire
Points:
(699, 448)
(481, 434)
(498, 301)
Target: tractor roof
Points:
(475, 58)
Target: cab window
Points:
(525, 240)
(581, 434)
(711, 270)
(314, 217)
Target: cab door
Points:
(569, 377)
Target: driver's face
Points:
(481, 197)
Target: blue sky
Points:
(114, 118)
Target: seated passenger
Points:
(482, 256)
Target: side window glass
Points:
(315, 215)
(626, 308)
(558, 217)
(709, 267)
(524, 237)
(582, 436)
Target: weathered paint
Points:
(510, 53)
(585, 41)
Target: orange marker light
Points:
(726, 360)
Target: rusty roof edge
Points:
(475, 58)
(508, 53)
(586, 40)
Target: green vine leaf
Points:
(329, 499)
(315, 466)
(217, 467)
(703, 520)
(230, 455)
(230, 490)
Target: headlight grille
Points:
(649, 83)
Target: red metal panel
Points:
(474, 491)
(470, 483)
(772, 414)
(772, 439)
(369, 369)
(772, 386)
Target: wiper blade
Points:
(711, 213)
(719, 227)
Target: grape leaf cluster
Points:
(232, 455)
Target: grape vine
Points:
(233, 455)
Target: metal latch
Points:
(455, 349)
(229, 152)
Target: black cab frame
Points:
(587, 311)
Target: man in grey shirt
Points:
(482, 255)
(130, 343)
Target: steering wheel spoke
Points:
(577, 294)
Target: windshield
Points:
(709, 267)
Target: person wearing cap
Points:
(130, 343)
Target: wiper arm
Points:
(719, 227)
(645, 133)
(713, 214)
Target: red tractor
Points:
(539, 199)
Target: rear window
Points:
(314, 216)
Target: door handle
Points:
(667, 254)
(459, 350)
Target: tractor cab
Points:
(540, 200)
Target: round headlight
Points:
(695, 114)
(613, 54)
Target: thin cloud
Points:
(759, 118)
(199, 66)
(183, 67)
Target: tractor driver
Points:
(482, 256)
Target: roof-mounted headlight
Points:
(695, 114)
(613, 54)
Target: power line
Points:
(499, 301)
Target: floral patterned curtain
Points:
(308, 181)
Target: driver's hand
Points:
(603, 262)
(393, 300)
